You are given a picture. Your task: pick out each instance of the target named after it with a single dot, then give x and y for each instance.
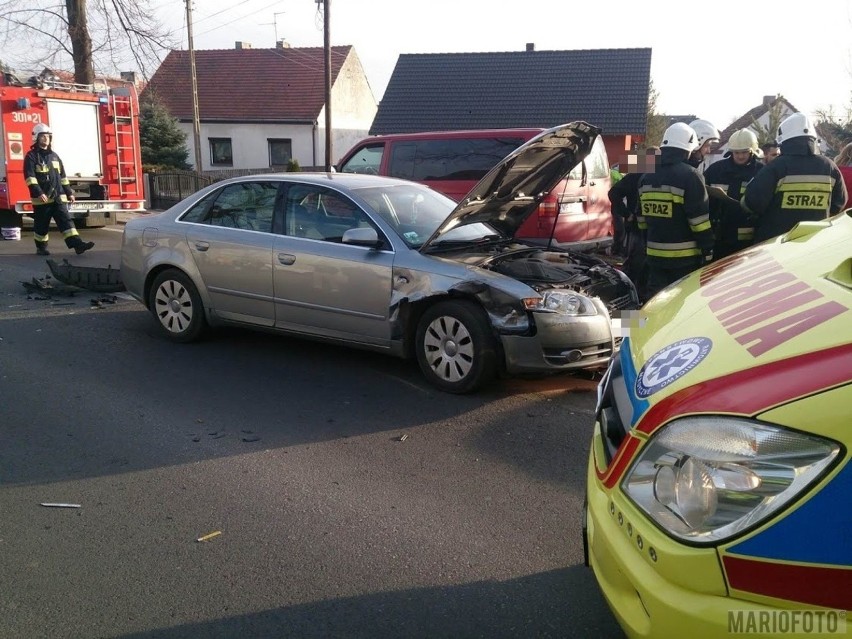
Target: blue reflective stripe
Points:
(628, 371)
(817, 532)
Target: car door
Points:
(230, 239)
(322, 286)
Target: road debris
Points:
(60, 505)
(251, 438)
(402, 438)
(209, 536)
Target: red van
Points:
(576, 213)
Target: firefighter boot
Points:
(41, 248)
(79, 246)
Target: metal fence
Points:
(167, 189)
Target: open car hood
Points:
(512, 190)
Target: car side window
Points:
(198, 211)
(246, 205)
(367, 159)
(318, 213)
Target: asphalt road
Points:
(351, 499)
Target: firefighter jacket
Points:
(674, 211)
(797, 186)
(45, 174)
(732, 226)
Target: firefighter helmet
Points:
(743, 140)
(796, 126)
(38, 129)
(680, 136)
(705, 130)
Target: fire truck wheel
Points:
(176, 304)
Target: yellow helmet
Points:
(743, 140)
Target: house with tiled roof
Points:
(260, 108)
(461, 91)
(761, 119)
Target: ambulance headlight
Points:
(707, 479)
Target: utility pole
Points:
(327, 48)
(196, 119)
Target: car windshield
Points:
(415, 211)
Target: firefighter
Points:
(50, 191)
(733, 228)
(799, 185)
(674, 212)
(708, 135)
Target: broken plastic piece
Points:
(56, 505)
(215, 533)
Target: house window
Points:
(280, 152)
(221, 153)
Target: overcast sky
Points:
(714, 59)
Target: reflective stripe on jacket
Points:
(797, 186)
(44, 174)
(674, 209)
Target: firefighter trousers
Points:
(57, 211)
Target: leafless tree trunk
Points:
(81, 41)
(99, 37)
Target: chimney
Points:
(768, 100)
(242, 45)
(530, 46)
(282, 44)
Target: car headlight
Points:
(706, 479)
(559, 301)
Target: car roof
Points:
(469, 133)
(345, 180)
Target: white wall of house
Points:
(250, 143)
(354, 108)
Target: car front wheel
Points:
(455, 348)
(176, 304)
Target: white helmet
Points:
(680, 136)
(705, 130)
(796, 126)
(38, 129)
(743, 140)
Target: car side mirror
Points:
(362, 236)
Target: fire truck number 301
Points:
(20, 116)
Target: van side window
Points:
(452, 159)
(596, 163)
(367, 159)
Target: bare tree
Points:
(656, 123)
(96, 36)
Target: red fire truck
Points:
(95, 132)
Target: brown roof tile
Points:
(281, 84)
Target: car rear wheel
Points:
(455, 348)
(176, 304)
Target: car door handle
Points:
(286, 259)
(202, 246)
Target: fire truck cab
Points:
(95, 132)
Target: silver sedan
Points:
(387, 265)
